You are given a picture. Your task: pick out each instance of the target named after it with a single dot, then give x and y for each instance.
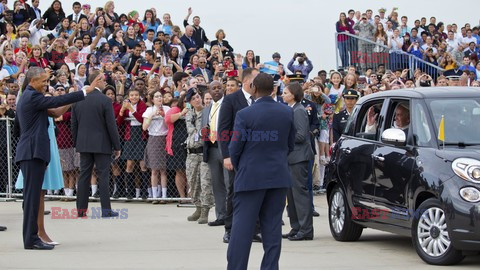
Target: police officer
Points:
(340, 119)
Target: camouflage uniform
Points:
(198, 173)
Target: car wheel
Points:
(430, 235)
(340, 218)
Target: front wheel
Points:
(340, 218)
(430, 235)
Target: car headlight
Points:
(470, 194)
(467, 169)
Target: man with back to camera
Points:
(260, 190)
(95, 134)
(33, 149)
(230, 106)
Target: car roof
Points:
(426, 93)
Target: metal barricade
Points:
(135, 184)
(365, 54)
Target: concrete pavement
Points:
(160, 237)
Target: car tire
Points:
(340, 218)
(431, 239)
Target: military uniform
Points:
(340, 119)
(198, 173)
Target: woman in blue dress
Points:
(53, 175)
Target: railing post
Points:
(9, 158)
(336, 50)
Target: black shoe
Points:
(46, 212)
(226, 237)
(315, 213)
(115, 195)
(300, 237)
(3, 228)
(81, 213)
(41, 246)
(96, 194)
(217, 222)
(257, 238)
(316, 188)
(108, 214)
(287, 235)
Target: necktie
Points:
(213, 122)
(252, 100)
(205, 75)
(76, 18)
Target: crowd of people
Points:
(170, 94)
(390, 39)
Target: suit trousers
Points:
(229, 202)
(33, 172)
(102, 164)
(299, 200)
(220, 181)
(267, 206)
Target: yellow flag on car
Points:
(441, 129)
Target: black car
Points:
(390, 171)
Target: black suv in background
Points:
(403, 179)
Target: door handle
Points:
(347, 151)
(379, 158)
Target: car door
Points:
(393, 167)
(354, 161)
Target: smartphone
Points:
(233, 73)
(257, 59)
(220, 74)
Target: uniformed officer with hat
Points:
(340, 119)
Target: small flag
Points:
(441, 129)
(270, 68)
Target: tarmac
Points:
(160, 237)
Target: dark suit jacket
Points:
(205, 122)
(225, 44)
(32, 15)
(260, 156)
(198, 71)
(303, 150)
(312, 113)
(94, 126)
(188, 45)
(230, 106)
(33, 121)
(71, 17)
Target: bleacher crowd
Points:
(161, 75)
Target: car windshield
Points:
(462, 119)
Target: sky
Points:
(269, 26)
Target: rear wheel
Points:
(340, 218)
(430, 235)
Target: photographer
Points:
(129, 60)
(301, 59)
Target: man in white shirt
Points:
(469, 38)
(452, 42)
(429, 44)
(149, 39)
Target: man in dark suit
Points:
(190, 45)
(33, 11)
(33, 149)
(77, 14)
(260, 189)
(212, 154)
(299, 200)
(95, 135)
(203, 70)
(230, 106)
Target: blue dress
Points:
(53, 175)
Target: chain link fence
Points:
(131, 178)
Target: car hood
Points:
(450, 154)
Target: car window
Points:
(369, 129)
(420, 125)
(398, 115)
(349, 127)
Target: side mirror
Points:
(394, 136)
